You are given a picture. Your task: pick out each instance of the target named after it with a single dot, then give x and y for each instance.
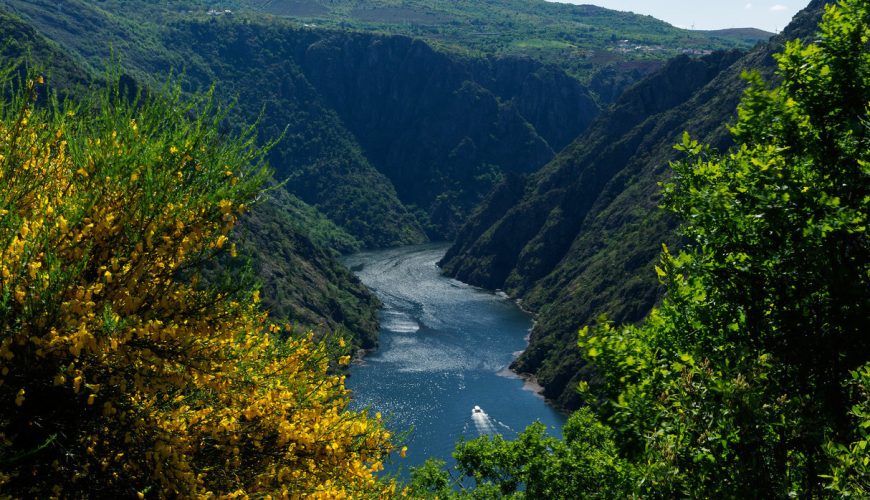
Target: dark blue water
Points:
(444, 348)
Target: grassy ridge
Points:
(579, 37)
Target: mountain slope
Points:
(303, 282)
(288, 242)
(383, 134)
(323, 163)
(445, 129)
(437, 136)
(20, 41)
(579, 238)
(747, 35)
(267, 88)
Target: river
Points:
(444, 349)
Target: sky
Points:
(769, 15)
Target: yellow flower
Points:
(194, 365)
(225, 206)
(33, 267)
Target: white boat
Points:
(477, 409)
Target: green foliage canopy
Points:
(735, 384)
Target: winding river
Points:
(444, 349)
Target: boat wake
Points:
(486, 425)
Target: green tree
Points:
(585, 464)
(850, 474)
(754, 366)
(735, 384)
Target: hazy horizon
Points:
(768, 15)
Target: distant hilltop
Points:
(747, 35)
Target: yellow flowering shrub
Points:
(121, 374)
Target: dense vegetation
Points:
(122, 372)
(377, 129)
(290, 249)
(122, 369)
(281, 237)
(374, 123)
(750, 379)
(579, 237)
(297, 82)
(266, 87)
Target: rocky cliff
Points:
(444, 129)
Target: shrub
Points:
(120, 371)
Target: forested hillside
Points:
(579, 238)
(180, 178)
(427, 121)
(751, 376)
(292, 251)
(282, 237)
(395, 141)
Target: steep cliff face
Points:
(377, 123)
(577, 37)
(441, 128)
(395, 141)
(585, 231)
(322, 162)
(534, 235)
(317, 155)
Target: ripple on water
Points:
(443, 348)
(414, 355)
(399, 322)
